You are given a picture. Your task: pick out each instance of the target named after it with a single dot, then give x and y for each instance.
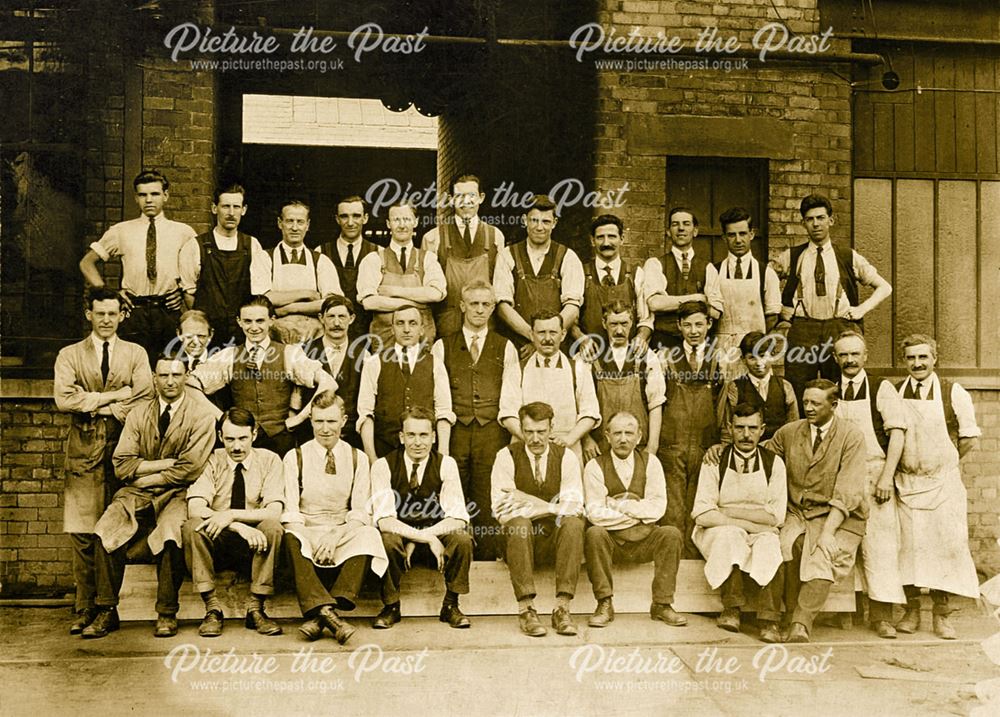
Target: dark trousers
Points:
(84, 547)
(939, 598)
(808, 355)
(741, 591)
(681, 468)
(317, 587)
(474, 448)
(805, 599)
(662, 546)
(457, 560)
(152, 326)
(110, 568)
(543, 543)
(204, 555)
(279, 443)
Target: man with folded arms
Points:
(233, 519)
(538, 498)
(329, 535)
(739, 506)
(418, 505)
(626, 495)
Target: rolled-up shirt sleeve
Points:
(503, 277)
(369, 275)
(290, 465)
(108, 245)
(643, 316)
(653, 279)
(326, 273)
(367, 390)
(383, 500)
(599, 509)
(777, 492)
(273, 485)
(434, 275)
(587, 405)
(204, 486)
(863, 269)
(571, 495)
(260, 269)
(303, 368)
(653, 504)
(571, 280)
(361, 491)
(961, 403)
(706, 497)
(510, 389)
(772, 290)
(501, 478)
(216, 371)
(452, 499)
(189, 265)
(656, 383)
(713, 289)
(442, 392)
(890, 406)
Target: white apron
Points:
(557, 388)
(295, 328)
(723, 546)
(880, 577)
(742, 314)
(934, 547)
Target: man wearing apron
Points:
(627, 384)
(400, 275)
(738, 509)
(873, 405)
(346, 254)
(759, 386)
(222, 267)
(825, 460)
(690, 424)
(608, 279)
(675, 278)
(537, 275)
(749, 292)
(820, 298)
(300, 278)
(466, 248)
(941, 429)
(402, 375)
(550, 376)
(98, 381)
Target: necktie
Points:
(685, 266)
(819, 275)
(474, 348)
(238, 501)
(349, 264)
(739, 269)
(744, 464)
(818, 440)
(402, 258)
(414, 483)
(105, 361)
(467, 232)
(607, 279)
(547, 363)
(918, 391)
(164, 421)
(693, 360)
(151, 249)
(404, 362)
(849, 393)
(331, 463)
(255, 356)
(539, 478)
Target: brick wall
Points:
(812, 103)
(981, 472)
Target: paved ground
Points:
(634, 667)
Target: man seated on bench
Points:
(626, 494)
(234, 511)
(738, 508)
(537, 495)
(417, 503)
(329, 535)
(164, 445)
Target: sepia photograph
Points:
(500, 357)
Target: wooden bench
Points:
(491, 593)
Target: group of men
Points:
(300, 409)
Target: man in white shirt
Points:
(417, 504)
(932, 504)
(219, 268)
(300, 277)
(148, 246)
(537, 496)
(625, 495)
(399, 377)
(400, 275)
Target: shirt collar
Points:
(858, 380)
(396, 248)
(265, 344)
(627, 463)
(531, 456)
(532, 250)
(408, 464)
(246, 461)
(473, 223)
(328, 344)
(745, 259)
(679, 253)
(615, 264)
(173, 406)
(288, 248)
(469, 333)
(759, 382)
(344, 243)
(825, 246)
(410, 352)
(557, 357)
(825, 427)
(99, 343)
(925, 383)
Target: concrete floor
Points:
(633, 667)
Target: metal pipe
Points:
(916, 38)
